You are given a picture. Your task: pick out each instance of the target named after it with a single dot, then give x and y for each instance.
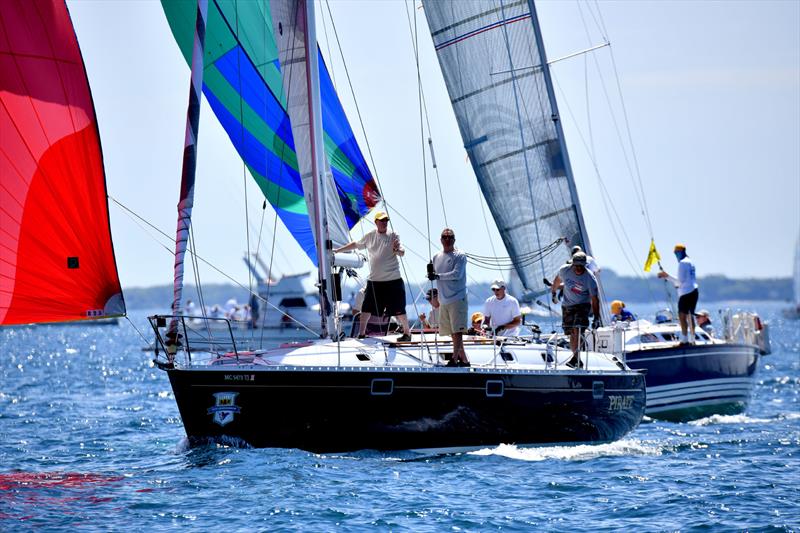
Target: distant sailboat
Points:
(56, 255)
(337, 395)
(794, 311)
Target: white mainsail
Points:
(495, 68)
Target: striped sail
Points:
(243, 83)
(496, 75)
(56, 256)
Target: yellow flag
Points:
(652, 256)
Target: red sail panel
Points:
(56, 255)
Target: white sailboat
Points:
(333, 394)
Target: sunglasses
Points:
(448, 237)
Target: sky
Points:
(711, 93)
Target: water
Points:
(90, 438)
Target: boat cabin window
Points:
(669, 336)
(644, 338)
(292, 302)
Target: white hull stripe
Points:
(636, 358)
(743, 394)
(688, 405)
(698, 383)
(698, 390)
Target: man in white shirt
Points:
(501, 311)
(688, 293)
(386, 293)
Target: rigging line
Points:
(281, 177)
(422, 135)
(481, 201)
(427, 116)
(328, 46)
(586, 85)
(519, 125)
(145, 339)
(608, 201)
(208, 263)
(244, 166)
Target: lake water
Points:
(91, 439)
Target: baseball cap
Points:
(576, 249)
(498, 284)
(381, 215)
(579, 259)
(679, 248)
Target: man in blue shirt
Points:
(580, 297)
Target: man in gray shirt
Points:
(580, 296)
(449, 268)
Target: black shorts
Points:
(385, 298)
(688, 302)
(575, 316)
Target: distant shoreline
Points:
(628, 288)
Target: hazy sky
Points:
(711, 89)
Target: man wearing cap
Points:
(502, 311)
(580, 297)
(386, 293)
(688, 293)
(591, 264)
(703, 319)
(449, 269)
(431, 320)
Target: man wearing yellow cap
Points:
(386, 293)
(688, 293)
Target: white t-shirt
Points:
(501, 311)
(687, 282)
(383, 263)
(452, 270)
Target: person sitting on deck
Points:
(703, 319)
(619, 313)
(431, 320)
(476, 328)
(502, 311)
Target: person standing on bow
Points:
(502, 311)
(449, 269)
(385, 294)
(580, 297)
(688, 293)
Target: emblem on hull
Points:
(224, 408)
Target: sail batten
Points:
(493, 67)
(56, 255)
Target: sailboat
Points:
(57, 260)
(528, 155)
(794, 311)
(335, 394)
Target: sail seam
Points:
(481, 30)
(474, 17)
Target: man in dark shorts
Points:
(580, 298)
(386, 293)
(688, 293)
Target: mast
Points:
(324, 246)
(557, 122)
(186, 201)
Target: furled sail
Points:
(243, 83)
(56, 256)
(496, 75)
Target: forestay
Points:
(495, 71)
(244, 84)
(56, 255)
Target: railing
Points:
(192, 335)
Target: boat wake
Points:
(625, 447)
(728, 419)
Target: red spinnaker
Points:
(56, 255)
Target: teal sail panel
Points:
(243, 84)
